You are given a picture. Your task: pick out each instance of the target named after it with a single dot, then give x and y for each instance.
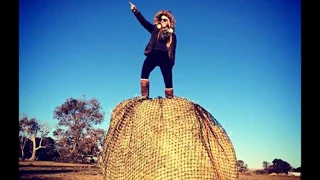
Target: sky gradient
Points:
(239, 59)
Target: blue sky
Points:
(239, 59)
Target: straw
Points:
(166, 139)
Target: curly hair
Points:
(166, 13)
(172, 23)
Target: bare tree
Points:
(76, 119)
(28, 130)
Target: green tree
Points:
(242, 167)
(29, 129)
(280, 166)
(77, 118)
(266, 165)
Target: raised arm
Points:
(145, 23)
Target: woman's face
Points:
(164, 21)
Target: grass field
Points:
(46, 170)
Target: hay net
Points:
(166, 139)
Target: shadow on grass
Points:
(48, 171)
(45, 172)
(53, 166)
(32, 178)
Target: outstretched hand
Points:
(132, 6)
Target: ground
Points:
(46, 170)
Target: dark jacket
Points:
(152, 28)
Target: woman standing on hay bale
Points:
(160, 51)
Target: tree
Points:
(25, 126)
(76, 120)
(29, 129)
(49, 153)
(298, 169)
(265, 165)
(242, 167)
(43, 129)
(280, 166)
(93, 142)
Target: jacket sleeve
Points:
(174, 45)
(145, 23)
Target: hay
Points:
(166, 139)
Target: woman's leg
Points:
(166, 70)
(148, 66)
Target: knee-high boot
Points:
(144, 88)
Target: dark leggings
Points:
(161, 59)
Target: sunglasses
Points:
(164, 20)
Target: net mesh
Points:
(163, 138)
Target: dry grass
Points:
(267, 177)
(45, 170)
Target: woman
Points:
(160, 51)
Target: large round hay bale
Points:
(166, 139)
